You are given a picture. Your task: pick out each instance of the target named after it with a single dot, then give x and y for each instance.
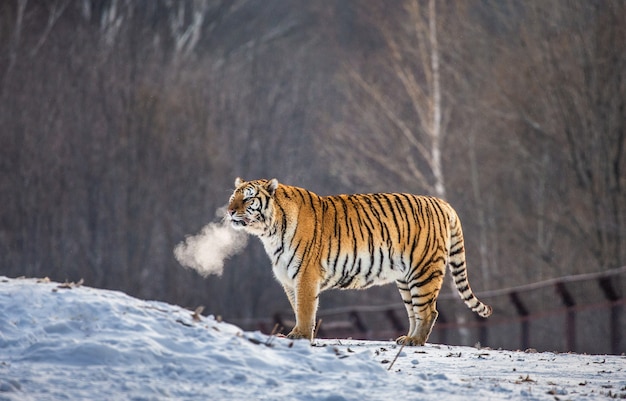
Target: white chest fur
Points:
(285, 263)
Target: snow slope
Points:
(80, 343)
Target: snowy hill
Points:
(79, 343)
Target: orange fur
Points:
(356, 241)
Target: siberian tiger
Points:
(317, 243)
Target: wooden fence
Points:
(580, 313)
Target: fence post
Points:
(395, 322)
(613, 297)
(482, 330)
(357, 322)
(443, 333)
(570, 321)
(523, 312)
(278, 321)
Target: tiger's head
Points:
(251, 205)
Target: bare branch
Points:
(111, 22)
(15, 40)
(380, 100)
(56, 10)
(186, 34)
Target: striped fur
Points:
(317, 243)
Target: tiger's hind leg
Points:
(420, 299)
(403, 287)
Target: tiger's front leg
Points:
(306, 302)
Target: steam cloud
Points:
(207, 251)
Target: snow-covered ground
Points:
(80, 343)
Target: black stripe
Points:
(295, 251)
(456, 265)
(420, 283)
(392, 210)
(456, 252)
(400, 199)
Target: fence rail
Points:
(597, 296)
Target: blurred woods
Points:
(124, 124)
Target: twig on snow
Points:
(396, 358)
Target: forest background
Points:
(124, 124)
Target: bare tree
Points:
(400, 139)
(14, 42)
(572, 98)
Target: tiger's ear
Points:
(272, 185)
(238, 182)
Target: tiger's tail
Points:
(459, 269)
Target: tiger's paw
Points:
(297, 335)
(410, 341)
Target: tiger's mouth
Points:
(238, 221)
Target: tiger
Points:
(316, 243)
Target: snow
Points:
(73, 342)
